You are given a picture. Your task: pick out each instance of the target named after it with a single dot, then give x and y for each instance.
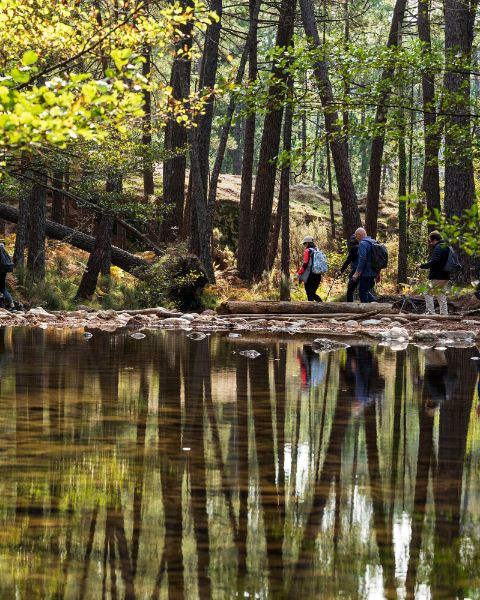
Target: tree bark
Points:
(270, 307)
(176, 139)
(208, 78)
(338, 145)
(432, 139)
(58, 200)
(98, 256)
(330, 191)
(21, 235)
(120, 258)
(459, 181)
(269, 146)
(402, 204)
(36, 228)
(148, 182)
(285, 198)
(245, 208)
(378, 142)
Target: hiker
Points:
(435, 379)
(362, 377)
(438, 276)
(352, 259)
(314, 264)
(6, 266)
(367, 272)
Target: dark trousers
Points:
(352, 286)
(364, 290)
(3, 289)
(311, 287)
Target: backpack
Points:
(6, 263)
(453, 264)
(379, 255)
(319, 261)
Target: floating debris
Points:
(234, 335)
(250, 353)
(87, 335)
(324, 345)
(138, 336)
(196, 335)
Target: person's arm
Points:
(347, 261)
(306, 258)
(362, 259)
(435, 259)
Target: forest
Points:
(149, 146)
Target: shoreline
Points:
(395, 330)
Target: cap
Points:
(307, 240)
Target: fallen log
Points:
(265, 307)
(120, 258)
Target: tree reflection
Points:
(173, 468)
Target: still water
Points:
(172, 468)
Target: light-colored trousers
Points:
(438, 289)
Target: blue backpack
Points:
(319, 261)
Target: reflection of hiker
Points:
(361, 370)
(367, 272)
(312, 369)
(6, 266)
(438, 276)
(314, 264)
(434, 379)
(352, 259)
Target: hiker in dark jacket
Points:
(439, 278)
(311, 280)
(365, 273)
(352, 259)
(3, 280)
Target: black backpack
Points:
(452, 264)
(379, 255)
(6, 263)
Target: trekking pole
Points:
(334, 279)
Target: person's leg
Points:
(3, 289)
(308, 290)
(352, 286)
(313, 283)
(429, 304)
(364, 287)
(442, 297)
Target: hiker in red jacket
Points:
(311, 280)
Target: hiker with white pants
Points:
(439, 277)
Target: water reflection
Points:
(172, 468)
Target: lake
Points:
(168, 467)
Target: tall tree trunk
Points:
(99, 254)
(208, 78)
(176, 138)
(378, 142)
(244, 222)
(58, 200)
(269, 146)
(432, 139)
(21, 235)
(402, 203)
(114, 184)
(148, 183)
(36, 228)
(285, 198)
(459, 182)
(338, 145)
(330, 190)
